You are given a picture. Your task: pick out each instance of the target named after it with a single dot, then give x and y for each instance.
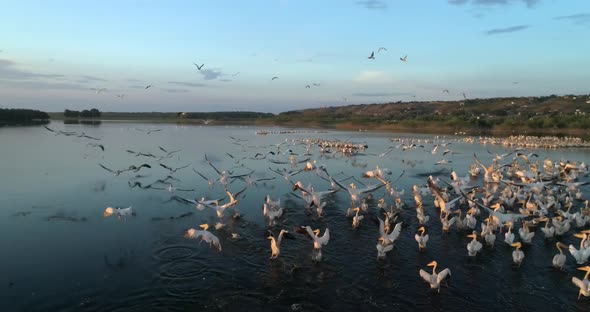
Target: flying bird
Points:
(199, 67)
(404, 59)
(382, 48)
(235, 74)
(316, 84)
(147, 87)
(464, 96)
(275, 77)
(372, 56)
(445, 91)
(98, 91)
(307, 86)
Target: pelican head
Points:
(472, 236)
(382, 200)
(560, 245)
(580, 235)
(109, 211)
(422, 229)
(544, 219)
(204, 226)
(518, 245)
(432, 264)
(190, 233)
(316, 232)
(458, 212)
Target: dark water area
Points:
(60, 254)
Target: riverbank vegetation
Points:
(12, 116)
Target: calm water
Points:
(59, 253)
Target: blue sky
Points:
(54, 52)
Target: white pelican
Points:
(205, 236)
(517, 255)
(271, 213)
(383, 250)
(547, 230)
(525, 234)
(421, 239)
(434, 279)
(584, 284)
(489, 236)
(581, 255)
(275, 245)
(559, 259)
(356, 220)
(470, 221)
(474, 246)
(509, 236)
(318, 241)
(119, 212)
(388, 239)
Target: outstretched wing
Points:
(442, 275)
(325, 238)
(425, 275)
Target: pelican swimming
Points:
(383, 250)
(435, 279)
(356, 220)
(559, 259)
(275, 245)
(509, 236)
(547, 230)
(474, 246)
(119, 212)
(525, 234)
(205, 236)
(388, 239)
(584, 284)
(421, 239)
(517, 255)
(581, 255)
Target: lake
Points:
(60, 254)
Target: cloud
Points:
(380, 94)
(496, 31)
(372, 76)
(43, 85)
(529, 3)
(92, 78)
(8, 70)
(188, 84)
(210, 74)
(579, 19)
(373, 4)
(175, 90)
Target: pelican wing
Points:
(442, 275)
(325, 238)
(578, 282)
(425, 275)
(382, 227)
(396, 231)
(310, 232)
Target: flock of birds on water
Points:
(507, 200)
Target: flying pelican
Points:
(382, 48)
(559, 259)
(275, 77)
(517, 255)
(318, 241)
(383, 250)
(205, 236)
(474, 246)
(148, 86)
(356, 220)
(372, 56)
(275, 245)
(584, 284)
(404, 59)
(421, 239)
(198, 67)
(445, 91)
(119, 212)
(435, 279)
(388, 239)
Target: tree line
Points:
(93, 113)
(22, 115)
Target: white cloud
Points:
(373, 76)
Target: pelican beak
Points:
(580, 235)
(204, 226)
(471, 236)
(517, 245)
(584, 268)
(316, 232)
(433, 263)
(270, 237)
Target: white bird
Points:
(275, 245)
(119, 212)
(318, 241)
(272, 213)
(356, 220)
(383, 250)
(474, 246)
(205, 236)
(388, 239)
(421, 239)
(404, 59)
(517, 255)
(559, 259)
(509, 236)
(584, 284)
(525, 234)
(581, 255)
(434, 279)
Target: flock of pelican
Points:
(510, 200)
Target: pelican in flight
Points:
(372, 56)
(275, 77)
(435, 279)
(318, 241)
(584, 284)
(383, 250)
(119, 212)
(381, 48)
(198, 67)
(517, 255)
(275, 245)
(474, 246)
(559, 259)
(205, 236)
(421, 239)
(404, 59)
(388, 239)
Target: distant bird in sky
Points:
(372, 56)
(464, 96)
(345, 99)
(382, 48)
(98, 91)
(516, 82)
(275, 77)
(235, 74)
(147, 87)
(199, 67)
(445, 91)
(308, 86)
(404, 59)
(316, 84)
(120, 96)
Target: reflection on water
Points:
(59, 253)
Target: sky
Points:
(54, 54)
